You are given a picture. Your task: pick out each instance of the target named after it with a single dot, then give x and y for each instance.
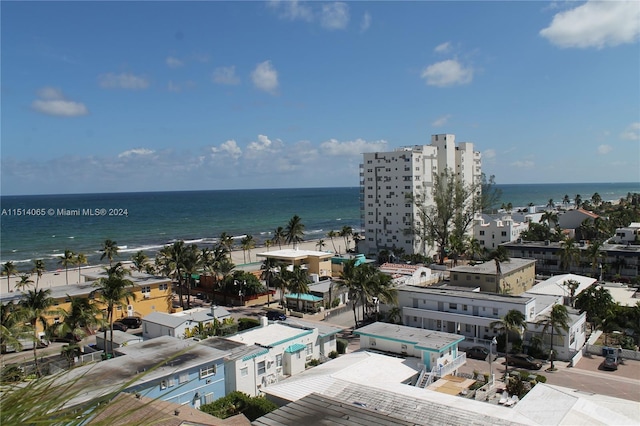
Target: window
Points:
(481, 232)
(504, 233)
(495, 311)
(244, 371)
(309, 350)
(163, 384)
(453, 306)
(146, 289)
(163, 287)
(184, 378)
(464, 307)
(207, 371)
(172, 382)
(262, 368)
(279, 360)
(208, 398)
(403, 348)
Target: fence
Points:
(624, 353)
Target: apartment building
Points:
(491, 231)
(387, 178)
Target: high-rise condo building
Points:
(387, 178)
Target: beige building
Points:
(315, 262)
(518, 276)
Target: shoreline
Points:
(57, 278)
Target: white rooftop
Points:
(269, 335)
(555, 285)
(294, 254)
(621, 293)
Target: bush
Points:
(313, 363)
(333, 354)
(238, 402)
(11, 374)
(516, 386)
(341, 345)
(247, 323)
(541, 379)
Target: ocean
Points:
(44, 226)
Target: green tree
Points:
(8, 269)
(191, 261)
(345, 233)
(270, 268)
(572, 285)
(353, 282)
(596, 199)
(237, 402)
(12, 329)
(279, 236)
(139, 260)
(109, 250)
(555, 321)
(25, 281)
(489, 194)
(448, 210)
(294, 231)
(320, 244)
(578, 201)
(566, 201)
(596, 301)
(38, 269)
(226, 241)
(499, 256)
(114, 290)
(80, 319)
(34, 308)
(569, 254)
(247, 243)
(513, 321)
(80, 260)
(332, 234)
(297, 281)
(67, 260)
(549, 217)
(170, 263)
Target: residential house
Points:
(628, 235)
(517, 275)
(315, 262)
(180, 323)
(572, 219)
(403, 273)
(491, 231)
(330, 292)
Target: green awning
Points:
(295, 348)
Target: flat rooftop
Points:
(467, 294)
(270, 335)
(489, 268)
(293, 254)
(420, 337)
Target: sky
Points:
(153, 96)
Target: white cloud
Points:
(366, 22)
(523, 164)
(441, 121)
(357, 147)
(632, 132)
(265, 77)
(489, 154)
(604, 149)
(335, 16)
(53, 102)
(595, 24)
(262, 144)
(293, 10)
(443, 48)
(447, 73)
(135, 153)
(174, 62)
(179, 87)
(225, 75)
(122, 81)
(229, 148)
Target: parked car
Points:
(610, 363)
(116, 326)
(479, 352)
(276, 316)
(131, 322)
(524, 361)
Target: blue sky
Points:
(137, 96)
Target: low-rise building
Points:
(315, 262)
(572, 219)
(628, 234)
(181, 324)
(517, 276)
(491, 231)
(402, 273)
(120, 339)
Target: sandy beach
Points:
(244, 260)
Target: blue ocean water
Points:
(154, 219)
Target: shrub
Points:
(541, 379)
(524, 375)
(333, 354)
(238, 402)
(313, 363)
(516, 386)
(341, 345)
(247, 323)
(11, 374)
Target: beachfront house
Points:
(315, 262)
(182, 324)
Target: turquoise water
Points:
(154, 219)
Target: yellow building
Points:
(518, 276)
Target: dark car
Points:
(120, 326)
(276, 316)
(131, 322)
(610, 363)
(479, 352)
(524, 361)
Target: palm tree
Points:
(9, 269)
(566, 200)
(513, 321)
(270, 270)
(139, 260)
(572, 285)
(569, 253)
(66, 260)
(551, 204)
(548, 217)
(345, 233)
(320, 244)
(34, 309)
(109, 250)
(114, 290)
(12, 329)
(558, 319)
(594, 255)
(268, 244)
(332, 235)
(80, 319)
(297, 281)
(578, 201)
(247, 243)
(80, 260)
(38, 269)
(25, 281)
(294, 231)
(226, 241)
(499, 255)
(279, 236)
(475, 249)
(352, 282)
(170, 262)
(596, 199)
(191, 263)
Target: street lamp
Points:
(493, 342)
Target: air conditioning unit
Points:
(146, 295)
